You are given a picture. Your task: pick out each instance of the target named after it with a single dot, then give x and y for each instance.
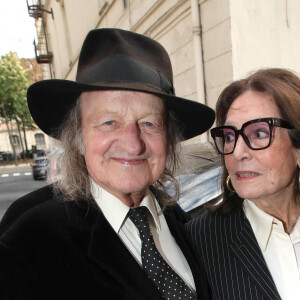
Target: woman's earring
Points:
(229, 184)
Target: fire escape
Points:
(41, 46)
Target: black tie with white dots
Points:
(166, 279)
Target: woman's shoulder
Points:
(214, 221)
(201, 221)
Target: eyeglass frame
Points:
(270, 121)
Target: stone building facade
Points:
(34, 138)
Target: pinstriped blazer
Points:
(232, 259)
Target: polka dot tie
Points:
(166, 279)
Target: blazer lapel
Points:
(109, 252)
(248, 255)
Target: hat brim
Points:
(50, 100)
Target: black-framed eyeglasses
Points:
(257, 134)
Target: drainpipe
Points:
(198, 57)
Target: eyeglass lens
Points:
(257, 135)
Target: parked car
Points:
(26, 154)
(8, 156)
(29, 154)
(39, 167)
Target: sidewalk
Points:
(8, 168)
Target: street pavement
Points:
(11, 169)
(15, 182)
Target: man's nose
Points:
(132, 141)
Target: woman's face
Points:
(266, 174)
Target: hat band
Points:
(122, 68)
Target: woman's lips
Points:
(245, 175)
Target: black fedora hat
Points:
(116, 59)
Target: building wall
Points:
(217, 52)
(30, 137)
(265, 34)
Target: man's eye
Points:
(149, 124)
(109, 122)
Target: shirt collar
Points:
(261, 223)
(295, 235)
(115, 211)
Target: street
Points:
(14, 183)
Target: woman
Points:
(249, 242)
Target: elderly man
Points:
(106, 228)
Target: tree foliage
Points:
(13, 87)
(14, 81)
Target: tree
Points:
(33, 69)
(13, 86)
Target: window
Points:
(39, 139)
(15, 140)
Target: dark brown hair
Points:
(283, 87)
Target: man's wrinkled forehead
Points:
(122, 102)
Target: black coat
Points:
(231, 256)
(52, 249)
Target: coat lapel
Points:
(110, 254)
(248, 255)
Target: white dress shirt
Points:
(280, 250)
(116, 211)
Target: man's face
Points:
(124, 133)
